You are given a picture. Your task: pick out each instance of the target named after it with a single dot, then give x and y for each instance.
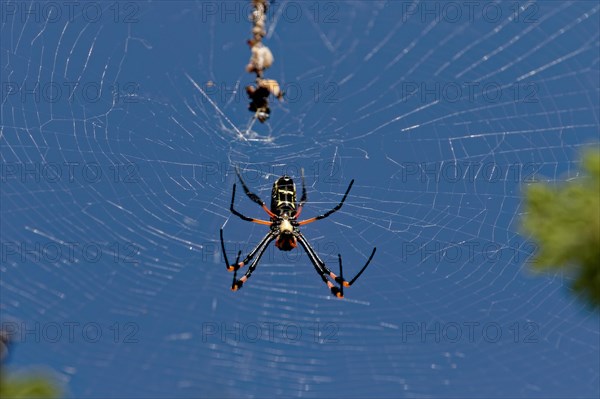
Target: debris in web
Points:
(260, 60)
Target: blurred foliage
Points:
(24, 384)
(30, 385)
(564, 221)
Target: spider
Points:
(284, 229)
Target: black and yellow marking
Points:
(283, 196)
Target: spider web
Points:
(117, 177)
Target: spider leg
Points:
(349, 283)
(255, 198)
(260, 250)
(237, 265)
(243, 217)
(304, 197)
(337, 208)
(235, 270)
(341, 275)
(320, 267)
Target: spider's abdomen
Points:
(283, 196)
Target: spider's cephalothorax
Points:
(284, 229)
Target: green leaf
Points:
(28, 386)
(564, 221)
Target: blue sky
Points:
(117, 175)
